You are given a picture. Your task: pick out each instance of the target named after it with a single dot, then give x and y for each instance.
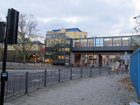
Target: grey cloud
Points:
(96, 17)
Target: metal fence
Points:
(28, 81)
(135, 70)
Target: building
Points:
(57, 43)
(35, 52)
(71, 32)
(60, 48)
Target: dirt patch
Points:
(127, 84)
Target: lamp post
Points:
(93, 52)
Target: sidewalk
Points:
(101, 90)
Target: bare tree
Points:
(27, 32)
(135, 41)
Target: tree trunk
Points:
(23, 58)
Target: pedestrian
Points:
(120, 65)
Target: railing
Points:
(28, 81)
(135, 70)
(59, 45)
(26, 64)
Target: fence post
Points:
(45, 78)
(100, 70)
(91, 72)
(14, 86)
(71, 74)
(26, 83)
(108, 71)
(59, 76)
(81, 72)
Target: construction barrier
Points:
(135, 70)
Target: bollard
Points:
(45, 78)
(71, 74)
(59, 76)
(26, 84)
(81, 72)
(112, 68)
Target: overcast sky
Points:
(96, 17)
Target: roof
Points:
(69, 29)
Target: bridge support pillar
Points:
(125, 61)
(97, 60)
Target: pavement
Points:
(99, 90)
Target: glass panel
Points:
(116, 41)
(125, 41)
(73, 42)
(81, 43)
(67, 49)
(90, 42)
(76, 43)
(84, 42)
(49, 53)
(94, 42)
(107, 41)
(99, 42)
(67, 41)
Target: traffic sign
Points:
(125, 57)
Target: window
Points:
(107, 41)
(85, 42)
(116, 41)
(126, 41)
(80, 36)
(67, 35)
(71, 35)
(90, 42)
(99, 42)
(77, 43)
(85, 36)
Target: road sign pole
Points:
(4, 65)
